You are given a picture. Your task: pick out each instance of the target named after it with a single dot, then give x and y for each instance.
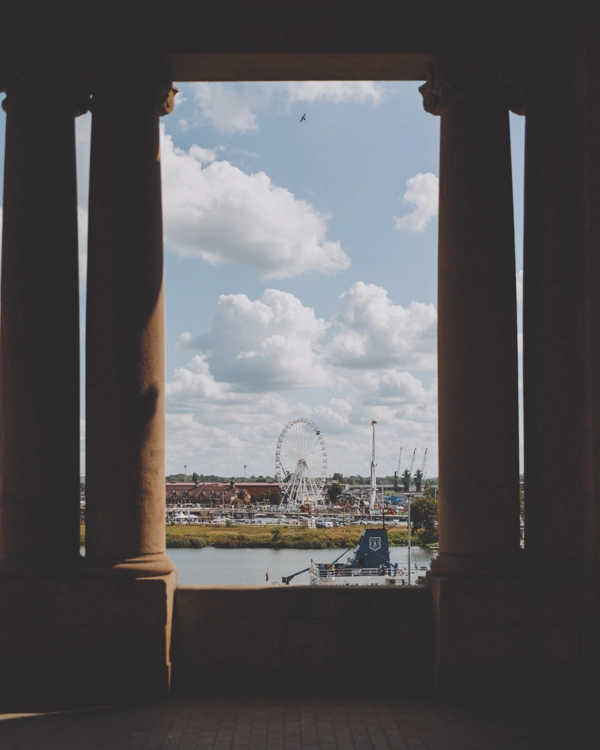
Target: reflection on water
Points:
(249, 566)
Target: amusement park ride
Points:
(301, 465)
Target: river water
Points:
(250, 566)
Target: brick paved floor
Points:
(295, 724)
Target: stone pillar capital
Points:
(50, 81)
(149, 80)
(449, 80)
(530, 80)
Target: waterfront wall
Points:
(84, 641)
(511, 641)
(68, 642)
(322, 639)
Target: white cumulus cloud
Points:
(215, 429)
(242, 382)
(217, 212)
(214, 426)
(235, 107)
(373, 332)
(267, 344)
(422, 194)
(360, 92)
(228, 108)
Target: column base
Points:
(78, 642)
(27, 566)
(144, 566)
(516, 640)
(478, 566)
(555, 566)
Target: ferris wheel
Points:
(301, 463)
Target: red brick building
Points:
(213, 492)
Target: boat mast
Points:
(373, 465)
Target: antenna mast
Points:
(373, 478)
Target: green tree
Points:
(275, 497)
(424, 516)
(334, 491)
(431, 492)
(195, 477)
(276, 535)
(337, 477)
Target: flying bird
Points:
(303, 117)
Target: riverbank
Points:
(270, 537)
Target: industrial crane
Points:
(412, 463)
(406, 477)
(420, 476)
(397, 472)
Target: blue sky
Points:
(300, 270)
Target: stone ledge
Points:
(516, 646)
(301, 637)
(508, 639)
(506, 602)
(76, 641)
(523, 686)
(302, 602)
(81, 601)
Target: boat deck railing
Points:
(333, 572)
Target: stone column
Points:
(588, 110)
(125, 487)
(553, 382)
(477, 331)
(39, 341)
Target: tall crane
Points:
(397, 472)
(412, 463)
(407, 475)
(420, 476)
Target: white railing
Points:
(331, 574)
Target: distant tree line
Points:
(337, 478)
(207, 478)
(358, 479)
